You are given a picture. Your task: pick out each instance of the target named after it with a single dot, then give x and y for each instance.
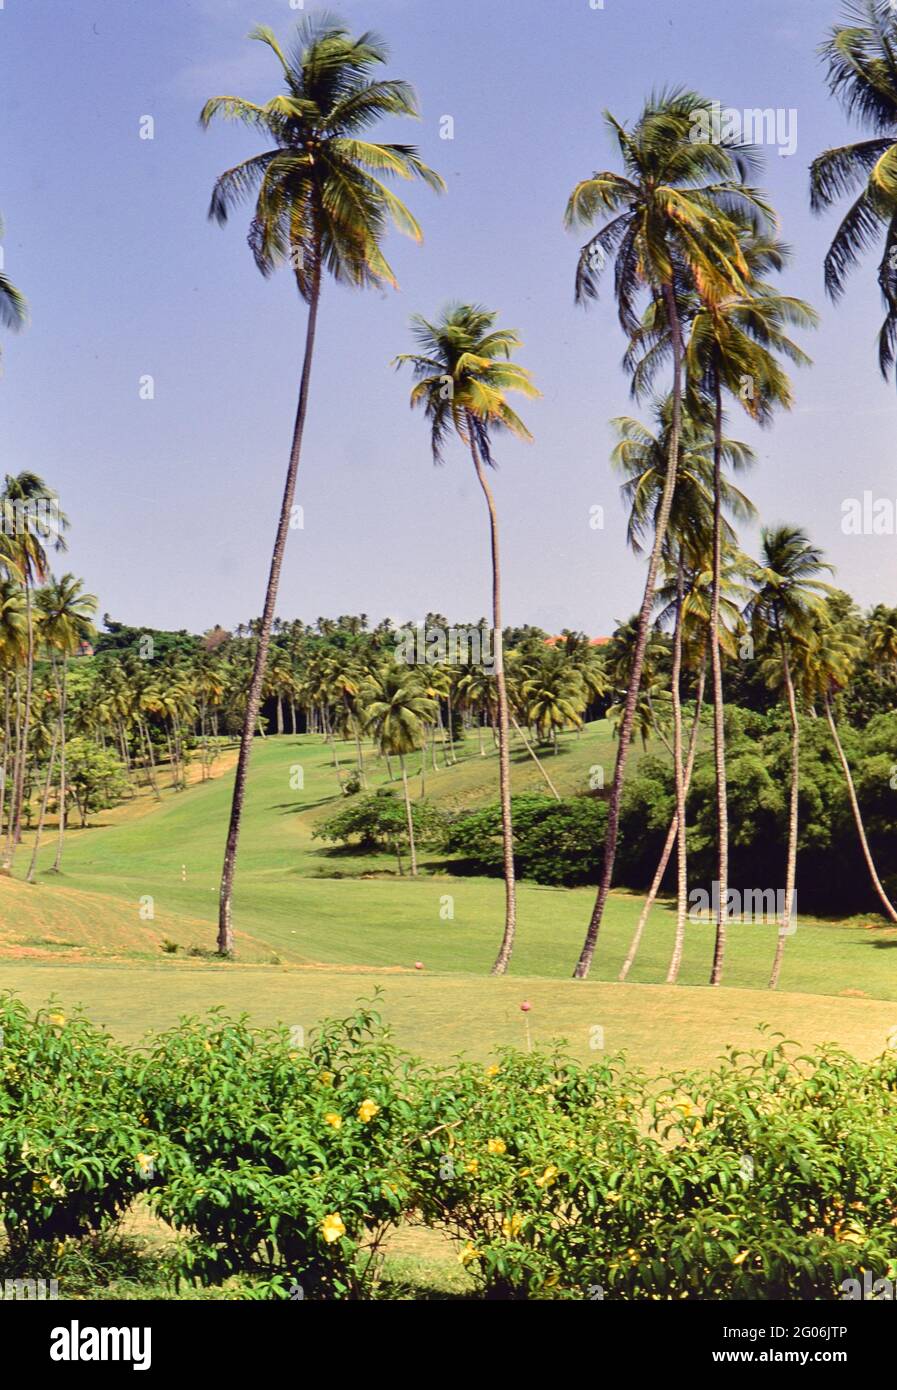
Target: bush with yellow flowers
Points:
(73, 1147)
(772, 1177)
(290, 1159)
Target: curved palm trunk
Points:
(671, 833)
(225, 897)
(6, 738)
(57, 862)
(679, 773)
(409, 817)
(504, 739)
(584, 963)
(719, 724)
(791, 864)
(29, 877)
(857, 816)
(532, 752)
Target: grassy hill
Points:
(317, 928)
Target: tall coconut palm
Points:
(861, 59)
(67, 614)
(13, 648)
(463, 372)
(787, 595)
(397, 710)
(733, 347)
(32, 515)
(642, 457)
(321, 205)
(668, 223)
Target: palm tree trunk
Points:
(584, 963)
(29, 877)
(679, 774)
(6, 738)
(532, 752)
(60, 839)
(857, 816)
(225, 898)
(719, 721)
(791, 864)
(671, 833)
(408, 817)
(504, 736)
(19, 789)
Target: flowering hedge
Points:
(287, 1166)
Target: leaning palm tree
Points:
(397, 710)
(463, 372)
(668, 220)
(833, 652)
(788, 593)
(321, 205)
(861, 57)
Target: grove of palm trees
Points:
(523, 931)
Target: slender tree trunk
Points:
(29, 877)
(293, 715)
(6, 739)
(504, 735)
(279, 713)
(857, 816)
(790, 868)
(719, 713)
(679, 773)
(635, 676)
(423, 764)
(532, 752)
(10, 814)
(671, 833)
(26, 727)
(225, 900)
(408, 817)
(63, 698)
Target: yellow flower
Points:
(326, 1078)
(493, 1070)
(740, 1258)
(612, 1196)
(331, 1118)
(367, 1110)
(469, 1253)
(511, 1225)
(145, 1163)
(333, 1227)
(497, 1146)
(548, 1177)
(57, 1019)
(473, 1166)
(686, 1108)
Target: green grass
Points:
(317, 928)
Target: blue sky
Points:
(173, 501)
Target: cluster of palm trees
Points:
(696, 256)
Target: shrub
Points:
(290, 1160)
(74, 1146)
(555, 842)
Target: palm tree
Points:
(13, 648)
(835, 648)
(66, 621)
(642, 457)
(463, 371)
(22, 498)
(861, 58)
(13, 308)
(670, 229)
(787, 594)
(397, 711)
(321, 205)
